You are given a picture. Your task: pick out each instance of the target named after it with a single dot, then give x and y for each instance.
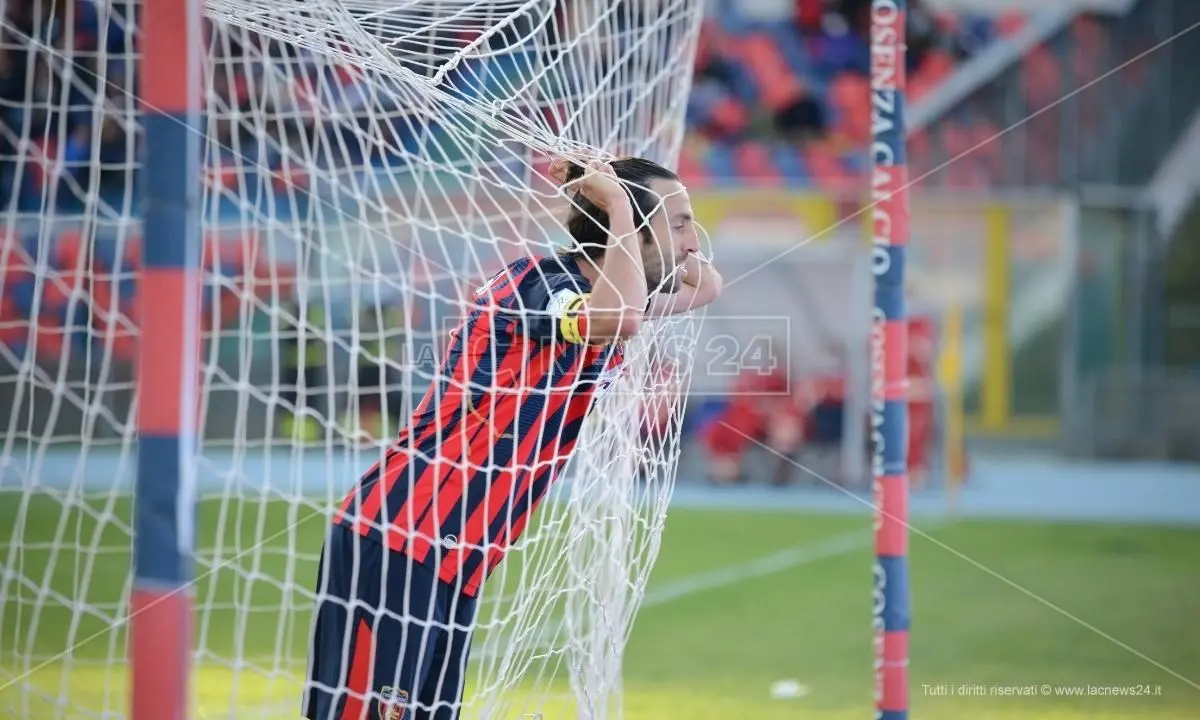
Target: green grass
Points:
(994, 603)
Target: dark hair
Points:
(588, 224)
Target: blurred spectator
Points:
(760, 409)
(922, 361)
(802, 120)
(821, 398)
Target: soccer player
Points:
(415, 539)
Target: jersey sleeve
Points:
(553, 306)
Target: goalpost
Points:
(206, 294)
(889, 356)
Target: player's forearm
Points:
(699, 286)
(619, 294)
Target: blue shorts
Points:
(388, 643)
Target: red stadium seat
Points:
(777, 84)
(919, 86)
(68, 249)
(14, 271)
(829, 172)
(728, 117)
(14, 328)
(1011, 22)
(937, 67)
(754, 164)
(706, 44)
(947, 22)
(223, 176)
(809, 14)
(692, 171)
(68, 275)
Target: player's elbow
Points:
(708, 286)
(713, 284)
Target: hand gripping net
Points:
(367, 164)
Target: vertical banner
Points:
(889, 358)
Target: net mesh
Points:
(367, 165)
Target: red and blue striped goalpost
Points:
(160, 624)
(889, 355)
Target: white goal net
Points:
(367, 164)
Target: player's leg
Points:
(784, 437)
(442, 692)
(725, 441)
(331, 644)
(920, 432)
(360, 664)
(825, 421)
(410, 640)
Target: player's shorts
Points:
(388, 643)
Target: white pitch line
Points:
(776, 562)
(766, 565)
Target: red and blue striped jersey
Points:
(494, 429)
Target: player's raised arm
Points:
(604, 212)
(632, 223)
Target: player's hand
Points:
(596, 181)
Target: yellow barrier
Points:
(950, 378)
(994, 392)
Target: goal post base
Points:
(160, 645)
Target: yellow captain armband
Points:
(566, 306)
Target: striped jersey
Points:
(494, 429)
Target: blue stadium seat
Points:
(856, 162)
(791, 164)
(792, 47)
(721, 163)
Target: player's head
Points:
(661, 209)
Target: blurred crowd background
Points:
(1055, 236)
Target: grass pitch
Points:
(1000, 609)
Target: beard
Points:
(657, 280)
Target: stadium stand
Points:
(781, 91)
(780, 98)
